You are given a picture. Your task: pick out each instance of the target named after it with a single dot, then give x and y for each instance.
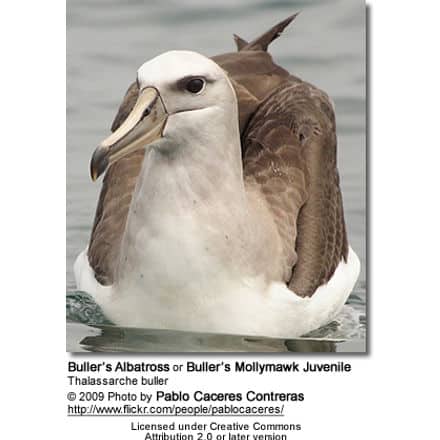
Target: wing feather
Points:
(114, 202)
(290, 152)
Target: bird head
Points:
(180, 93)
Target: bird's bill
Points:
(143, 126)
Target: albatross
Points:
(220, 209)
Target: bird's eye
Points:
(195, 85)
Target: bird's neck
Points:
(190, 205)
(207, 173)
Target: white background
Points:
(392, 391)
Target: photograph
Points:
(217, 176)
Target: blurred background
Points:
(107, 41)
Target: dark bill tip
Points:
(99, 163)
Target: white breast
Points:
(234, 306)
